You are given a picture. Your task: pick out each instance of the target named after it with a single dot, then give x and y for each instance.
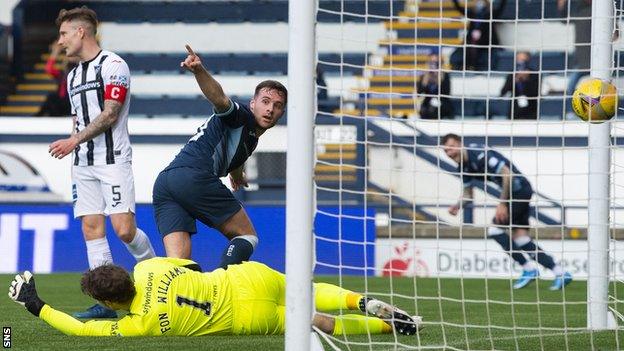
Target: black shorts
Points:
(183, 195)
(519, 209)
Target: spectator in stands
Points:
(480, 37)
(435, 86)
(57, 102)
(524, 87)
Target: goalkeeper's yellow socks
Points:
(329, 297)
(358, 324)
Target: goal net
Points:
(396, 217)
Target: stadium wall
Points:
(478, 258)
(45, 238)
(236, 37)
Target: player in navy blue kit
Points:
(189, 189)
(477, 162)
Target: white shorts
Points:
(104, 189)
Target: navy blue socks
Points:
(536, 253)
(238, 250)
(509, 247)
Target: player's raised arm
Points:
(208, 85)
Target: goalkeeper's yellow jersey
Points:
(170, 300)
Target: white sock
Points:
(140, 247)
(491, 231)
(98, 252)
(557, 270)
(253, 239)
(522, 240)
(529, 265)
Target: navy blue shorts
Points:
(183, 195)
(519, 209)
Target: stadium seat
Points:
(243, 63)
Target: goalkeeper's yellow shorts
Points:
(258, 299)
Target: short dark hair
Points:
(272, 85)
(108, 283)
(82, 13)
(450, 136)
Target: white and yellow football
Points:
(595, 100)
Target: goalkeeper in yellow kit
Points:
(170, 296)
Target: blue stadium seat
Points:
(185, 106)
(530, 10)
(241, 62)
(550, 107)
(196, 106)
(182, 106)
(550, 61)
(264, 11)
(358, 10)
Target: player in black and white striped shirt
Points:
(100, 81)
(102, 179)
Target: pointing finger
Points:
(189, 50)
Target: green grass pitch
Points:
(460, 319)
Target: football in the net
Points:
(595, 100)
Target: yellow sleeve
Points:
(157, 262)
(66, 324)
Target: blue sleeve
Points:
(495, 162)
(236, 116)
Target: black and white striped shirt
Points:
(106, 76)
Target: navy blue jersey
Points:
(486, 164)
(222, 143)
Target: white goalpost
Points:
(299, 173)
(599, 176)
(374, 85)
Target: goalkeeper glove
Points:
(23, 291)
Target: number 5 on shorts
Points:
(116, 194)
